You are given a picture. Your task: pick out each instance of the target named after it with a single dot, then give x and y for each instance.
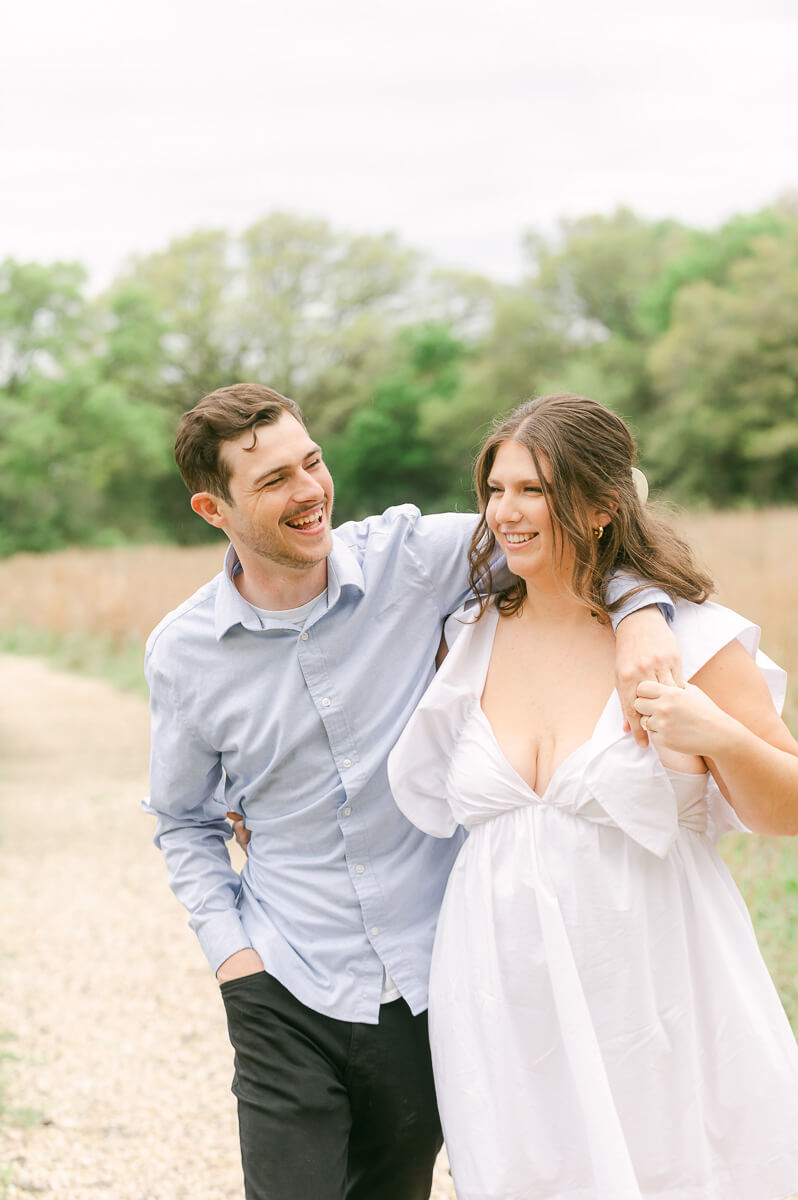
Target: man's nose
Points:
(310, 486)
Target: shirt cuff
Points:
(222, 936)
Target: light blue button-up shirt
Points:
(292, 726)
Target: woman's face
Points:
(517, 513)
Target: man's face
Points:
(282, 495)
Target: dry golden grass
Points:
(754, 559)
(122, 593)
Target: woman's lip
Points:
(528, 537)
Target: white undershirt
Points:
(292, 616)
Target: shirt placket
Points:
(351, 818)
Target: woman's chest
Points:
(543, 701)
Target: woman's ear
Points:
(605, 514)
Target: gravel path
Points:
(115, 1021)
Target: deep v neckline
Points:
(483, 716)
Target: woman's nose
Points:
(507, 509)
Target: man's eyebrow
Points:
(285, 466)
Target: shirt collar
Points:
(343, 571)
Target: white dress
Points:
(603, 1025)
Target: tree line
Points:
(399, 365)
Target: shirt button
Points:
(359, 869)
(326, 702)
(347, 762)
(375, 929)
(347, 812)
(303, 637)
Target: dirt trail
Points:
(118, 1028)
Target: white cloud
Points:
(457, 124)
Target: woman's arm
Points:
(727, 716)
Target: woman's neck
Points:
(554, 606)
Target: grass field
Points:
(92, 610)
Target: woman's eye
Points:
(493, 491)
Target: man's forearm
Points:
(202, 878)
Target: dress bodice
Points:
(482, 785)
(448, 768)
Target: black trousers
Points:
(328, 1109)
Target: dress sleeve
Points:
(702, 630)
(418, 765)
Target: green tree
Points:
(43, 318)
(707, 255)
(84, 441)
(192, 287)
(67, 444)
(727, 374)
(389, 453)
(319, 311)
(600, 267)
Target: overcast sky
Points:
(456, 124)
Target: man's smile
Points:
(308, 522)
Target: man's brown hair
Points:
(219, 417)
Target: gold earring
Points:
(598, 534)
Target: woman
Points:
(603, 1025)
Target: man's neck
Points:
(279, 588)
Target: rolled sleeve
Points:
(621, 589)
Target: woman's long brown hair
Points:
(590, 453)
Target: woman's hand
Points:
(730, 720)
(684, 718)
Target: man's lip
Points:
(317, 510)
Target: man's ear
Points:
(208, 507)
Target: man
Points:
(278, 690)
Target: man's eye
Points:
(314, 463)
(271, 482)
